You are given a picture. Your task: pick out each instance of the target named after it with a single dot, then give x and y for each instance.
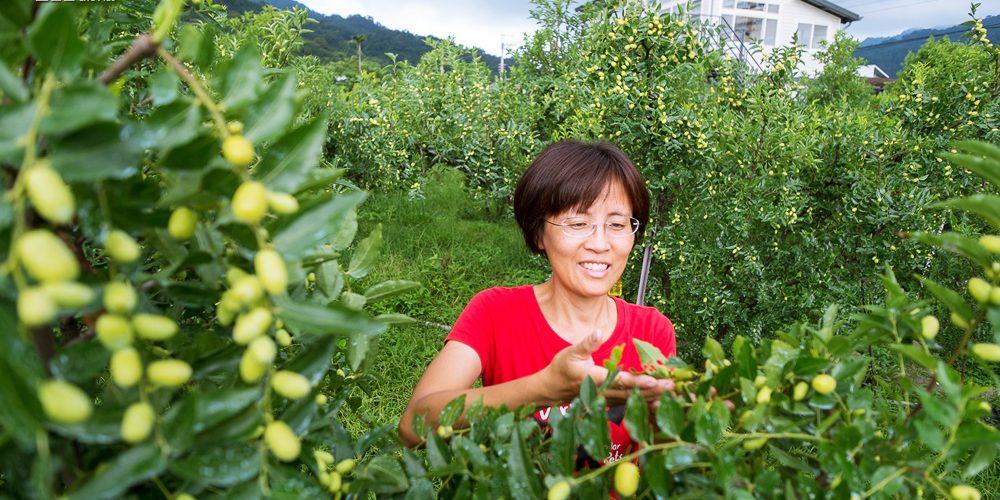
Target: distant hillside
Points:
(331, 36)
(888, 52)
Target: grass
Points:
(444, 241)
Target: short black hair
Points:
(572, 174)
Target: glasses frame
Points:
(593, 229)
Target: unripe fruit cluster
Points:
(50, 262)
(252, 200)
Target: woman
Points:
(581, 205)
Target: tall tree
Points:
(358, 40)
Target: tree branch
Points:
(142, 47)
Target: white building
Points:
(773, 23)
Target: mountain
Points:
(331, 35)
(888, 52)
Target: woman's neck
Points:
(574, 317)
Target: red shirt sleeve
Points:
(474, 327)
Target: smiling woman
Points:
(581, 205)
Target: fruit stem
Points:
(635, 454)
(198, 89)
(885, 482)
(16, 194)
(776, 435)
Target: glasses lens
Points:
(577, 228)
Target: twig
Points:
(142, 47)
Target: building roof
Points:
(845, 15)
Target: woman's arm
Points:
(454, 370)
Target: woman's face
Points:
(590, 266)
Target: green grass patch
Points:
(444, 241)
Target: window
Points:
(728, 18)
(759, 6)
(749, 28)
(819, 35)
(728, 4)
(810, 35)
(770, 32)
(772, 8)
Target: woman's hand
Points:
(566, 372)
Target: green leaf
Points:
(174, 125)
(348, 229)
(681, 456)
(670, 416)
(438, 456)
(299, 415)
(199, 411)
(366, 254)
(984, 160)
(949, 297)
(358, 350)
(522, 478)
(563, 447)
(713, 350)
(164, 86)
(219, 465)
(78, 105)
(395, 319)
(939, 410)
(958, 244)
(194, 154)
(80, 362)
(104, 426)
(11, 85)
(6, 214)
(916, 353)
(287, 163)
(97, 152)
(19, 406)
(789, 460)
(274, 113)
(314, 360)
(388, 289)
(745, 358)
(986, 206)
(133, 466)
(983, 458)
(383, 475)
(452, 411)
(314, 225)
(15, 121)
(196, 44)
(53, 40)
(319, 320)
(241, 81)
(594, 434)
(637, 419)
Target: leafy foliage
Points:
(185, 296)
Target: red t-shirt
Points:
(506, 327)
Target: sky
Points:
(486, 24)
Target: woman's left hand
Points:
(650, 388)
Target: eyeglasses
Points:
(580, 227)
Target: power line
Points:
(924, 37)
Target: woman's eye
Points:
(578, 225)
(616, 226)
